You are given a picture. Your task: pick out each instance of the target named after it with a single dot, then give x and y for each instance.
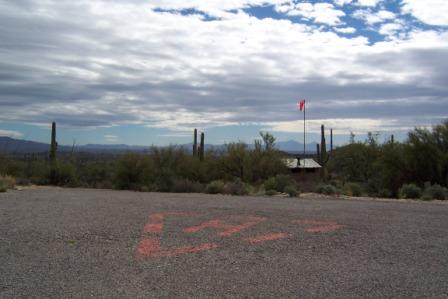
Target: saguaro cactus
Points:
(323, 146)
(195, 143)
(331, 140)
(318, 152)
(322, 154)
(53, 149)
(201, 152)
(54, 144)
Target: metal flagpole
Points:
(304, 140)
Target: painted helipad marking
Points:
(149, 246)
(153, 228)
(267, 237)
(319, 226)
(150, 243)
(227, 229)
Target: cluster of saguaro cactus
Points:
(322, 155)
(198, 151)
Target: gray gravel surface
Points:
(77, 243)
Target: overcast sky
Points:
(149, 71)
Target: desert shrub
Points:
(337, 183)
(279, 182)
(326, 189)
(426, 196)
(104, 185)
(270, 192)
(23, 181)
(182, 186)
(6, 182)
(251, 189)
(236, 187)
(144, 189)
(291, 190)
(215, 187)
(187, 186)
(96, 174)
(282, 180)
(434, 192)
(198, 187)
(270, 184)
(132, 171)
(352, 189)
(62, 174)
(372, 186)
(384, 193)
(410, 191)
(164, 181)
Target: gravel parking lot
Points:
(78, 243)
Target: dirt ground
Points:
(79, 243)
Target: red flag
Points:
(301, 105)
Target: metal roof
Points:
(303, 163)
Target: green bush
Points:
(410, 191)
(291, 190)
(434, 192)
(62, 173)
(236, 187)
(215, 187)
(132, 172)
(7, 182)
(352, 189)
(187, 186)
(327, 189)
(337, 183)
(426, 196)
(183, 186)
(282, 180)
(270, 184)
(270, 192)
(384, 193)
(279, 182)
(164, 181)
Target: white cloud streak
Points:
(10, 133)
(432, 12)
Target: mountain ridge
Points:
(20, 146)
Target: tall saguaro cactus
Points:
(195, 143)
(54, 144)
(323, 145)
(53, 149)
(322, 154)
(318, 152)
(331, 140)
(201, 152)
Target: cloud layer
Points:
(183, 64)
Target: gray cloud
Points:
(97, 63)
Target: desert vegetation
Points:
(237, 169)
(415, 168)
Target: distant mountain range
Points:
(18, 146)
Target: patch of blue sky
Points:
(188, 11)
(263, 12)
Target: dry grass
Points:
(6, 182)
